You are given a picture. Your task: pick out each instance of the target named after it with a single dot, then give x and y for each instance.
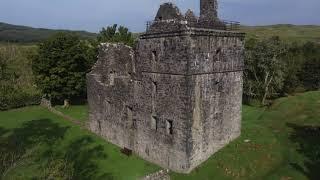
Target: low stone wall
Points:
(160, 175)
(47, 104)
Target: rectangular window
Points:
(169, 127)
(154, 56)
(108, 106)
(154, 123)
(154, 95)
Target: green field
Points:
(78, 112)
(284, 143)
(287, 32)
(54, 145)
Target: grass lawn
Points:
(79, 112)
(50, 146)
(284, 144)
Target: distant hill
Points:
(299, 33)
(24, 34)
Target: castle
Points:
(175, 99)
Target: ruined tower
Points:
(175, 99)
(208, 9)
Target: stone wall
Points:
(216, 113)
(110, 91)
(174, 100)
(215, 91)
(160, 175)
(133, 110)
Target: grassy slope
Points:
(92, 157)
(286, 32)
(284, 143)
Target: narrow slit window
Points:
(134, 123)
(218, 51)
(129, 113)
(154, 88)
(154, 123)
(154, 56)
(220, 87)
(107, 106)
(169, 127)
(111, 78)
(99, 126)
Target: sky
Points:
(92, 15)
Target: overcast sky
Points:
(91, 15)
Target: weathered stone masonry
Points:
(176, 98)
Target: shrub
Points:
(16, 79)
(15, 98)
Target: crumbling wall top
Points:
(170, 19)
(189, 16)
(168, 11)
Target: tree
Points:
(16, 78)
(264, 74)
(61, 66)
(310, 73)
(293, 60)
(114, 34)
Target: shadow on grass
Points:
(45, 138)
(82, 154)
(3, 131)
(15, 143)
(308, 139)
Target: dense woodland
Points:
(56, 67)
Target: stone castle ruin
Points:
(175, 99)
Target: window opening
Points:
(111, 78)
(154, 56)
(154, 123)
(169, 127)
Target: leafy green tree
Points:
(310, 73)
(116, 34)
(264, 74)
(61, 65)
(293, 60)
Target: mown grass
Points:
(79, 112)
(51, 139)
(284, 143)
